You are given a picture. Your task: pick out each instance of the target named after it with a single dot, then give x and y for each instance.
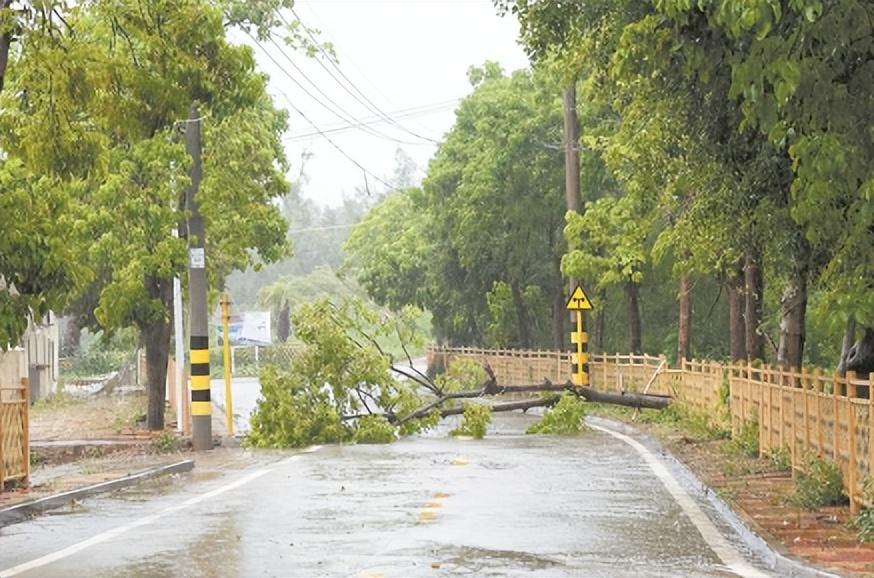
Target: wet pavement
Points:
(509, 505)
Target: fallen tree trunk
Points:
(629, 399)
(509, 406)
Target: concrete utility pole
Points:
(571, 151)
(201, 405)
(571, 160)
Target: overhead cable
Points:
(312, 124)
(342, 114)
(363, 99)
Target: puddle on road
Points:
(476, 560)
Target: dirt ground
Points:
(93, 417)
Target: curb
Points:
(27, 510)
(751, 533)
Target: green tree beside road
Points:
(96, 101)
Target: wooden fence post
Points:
(2, 443)
(805, 385)
(870, 425)
(836, 445)
(851, 442)
(820, 436)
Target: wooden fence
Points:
(14, 440)
(807, 413)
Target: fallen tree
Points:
(344, 386)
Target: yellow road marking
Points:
(460, 461)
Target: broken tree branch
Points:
(509, 406)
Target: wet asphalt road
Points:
(510, 505)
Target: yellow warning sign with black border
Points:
(579, 301)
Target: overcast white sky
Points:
(408, 57)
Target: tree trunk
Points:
(600, 323)
(283, 323)
(736, 336)
(72, 337)
(861, 356)
(685, 322)
(559, 312)
(847, 344)
(632, 296)
(5, 42)
(156, 337)
(753, 296)
(793, 307)
(522, 318)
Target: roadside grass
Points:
(736, 456)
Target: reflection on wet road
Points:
(510, 505)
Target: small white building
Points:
(36, 358)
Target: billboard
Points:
(250, 328)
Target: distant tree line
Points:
(727, 177)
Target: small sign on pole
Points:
(578, 303)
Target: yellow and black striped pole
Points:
(579, 338)
(201, 405)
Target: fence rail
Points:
(14, 438)
(804, 412)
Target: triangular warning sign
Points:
(579, 301)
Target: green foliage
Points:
(565, 418)
(746, 441)
(374, 429)
(479, 244)
(694, 423)
(339, 367)
(818, 484)
(460, 375)
(166, 442)
(37, 458)
(292, 413)
(863, 523)
(101, 354)
(477, 418)
(781, 459)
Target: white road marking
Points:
(733, 559)
(110, 534)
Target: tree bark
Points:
(600, 323)
(861, 356)
(685, 322)
(793, 308)
(753, 298)
(632, 296)
(283, 323)
(521, 317)
(736, 330)
(559, 313)
(156, 338)
(846, 345)
(5, 44)
(509, 406)
(72, 336)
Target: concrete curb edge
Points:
(753, 534)
(27, 510)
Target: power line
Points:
(349, 118)
(324, 228)
(367, 102)
(409, 113)
(311, 123)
